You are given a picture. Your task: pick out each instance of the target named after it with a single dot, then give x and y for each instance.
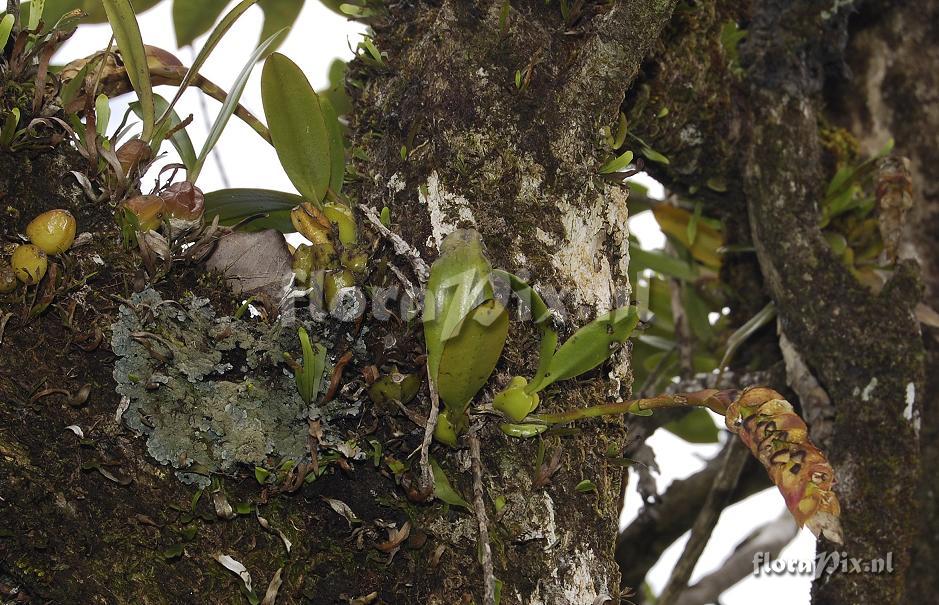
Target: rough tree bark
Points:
(518, 162)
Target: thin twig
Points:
(427, 475)
(734, 457)
(401, 247)
(479, 503)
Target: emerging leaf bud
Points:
(52, 231)
(514, 402)
(148, 209)
(165, 68)
(29, 263)
(184, 201)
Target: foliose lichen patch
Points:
(208, 392)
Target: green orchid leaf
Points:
(310, 376)
(235, 205)
(469, 358)
(127, 33)
(102, 114)
(458, 283)
(660, 262)
(617, 164)
(542, 317)
(337, 150)
(443, 490)
(298, 126)
(35, 13)
(591, 345)
(192, 19)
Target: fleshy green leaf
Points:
(234, 205)
(298, 127)
(6, 27)
(192, 19)
(586, 486)
(694, 427)
(458, 283)
(337, 150)
(127, 33)
(102, 114)
(443, 490)
(35, 13)
(230, 105)
(617, 164)
(469, 358)
(591, 345)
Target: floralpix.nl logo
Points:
(824, 563)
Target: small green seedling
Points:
(310, 375)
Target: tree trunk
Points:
(491, 119)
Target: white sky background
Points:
(319, 36)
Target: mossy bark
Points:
(519, 164)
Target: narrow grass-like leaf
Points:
(298, 127)
(6, 27)
(192, 19)
(591, 345)
(744, 332)
(214, 38)
(230, 105)
(309, 377)
(127, 33)
(660, 262)
(235, 205)
(617, 164)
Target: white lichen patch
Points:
(582, 258)
(446, 209)
(869, 389)
(396, 183)
(910, 413)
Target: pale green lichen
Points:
(208, 392)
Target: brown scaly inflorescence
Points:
(779, 439)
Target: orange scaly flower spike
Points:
(778, 438)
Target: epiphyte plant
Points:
(465, 329)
